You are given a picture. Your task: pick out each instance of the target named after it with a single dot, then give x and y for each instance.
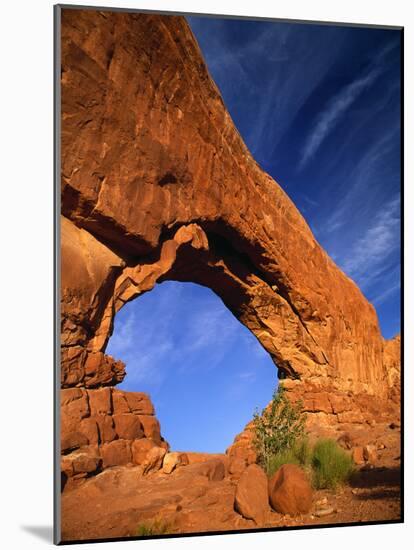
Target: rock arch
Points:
(157, 184)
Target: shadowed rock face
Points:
(157, 184)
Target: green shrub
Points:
(278, 430)
(279, 438)
(277, 460)
(300, 454)
(331, 465)
(156, 527)
(303, 452)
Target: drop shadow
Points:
(376, 477)
(381, 494)
(42, 532)
(379, 483)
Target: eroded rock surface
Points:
(102, 428)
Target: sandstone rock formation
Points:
(157, 185)
(101, 428)
(116, 501)
(392, 364)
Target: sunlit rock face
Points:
(157, 184)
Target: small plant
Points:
(278, 430)
(154, 528)
(303, 452)
(331, 465)
(300, 455)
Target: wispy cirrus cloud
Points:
(172, 333)
(198, 363)
(383, 296)
(332, 114)
(270, 97)
(339, 104)
(369, 256)
(360, 179)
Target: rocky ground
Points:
(200, 497)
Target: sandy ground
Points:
(118, 501)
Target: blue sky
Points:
(319, 107)
(205, 372)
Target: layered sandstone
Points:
(157, 184)
(105, 427)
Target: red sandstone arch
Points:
(157, 184)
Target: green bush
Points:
(278, 429)
(303, 451)
(279, 438)
(300, 455)
(156, 527)
(331, 465)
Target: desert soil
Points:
(118, 501)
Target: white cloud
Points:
(366, 170)
(173, 328)
(330, 116)
(338, 105)
(213, 331)
(248, 376)
(383, 296)
(367, 258)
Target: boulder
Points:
(128, 426)
(71, 441)
(153, 460)
(173, 461)
(106, 428)
(85, 462)
(290, 491)
(151, 427)
(237, 466)
(164, 444)
(89, 428)
(140, 449)
(251, 498)
(74, 403)
(116, 453)
(119, 402)
(100, 401)
(213, 469)
(197, 457)
(102, 370)
(69, 395)
(66, 466)
(243, 449)
(139, 402)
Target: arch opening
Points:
(205, 372)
